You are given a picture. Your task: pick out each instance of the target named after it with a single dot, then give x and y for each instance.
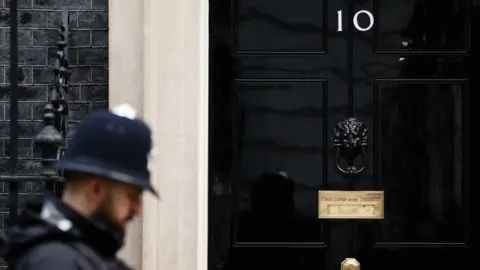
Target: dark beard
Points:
(102, 219)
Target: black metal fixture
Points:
(52, 139)
(350, 140)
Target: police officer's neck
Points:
(78, 202)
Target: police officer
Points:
(106, 173)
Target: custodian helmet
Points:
(113, 144)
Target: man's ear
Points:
(96, 189)
(96, 186)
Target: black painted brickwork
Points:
(88, 55)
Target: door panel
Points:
(283, 83)
(270, 111)
(273, 27)
(412, 90)
(427, 26)
(281, 77)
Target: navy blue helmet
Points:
(112, 144)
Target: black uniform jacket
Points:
(51, 235)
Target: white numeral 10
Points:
(355, 20)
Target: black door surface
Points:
(283, 73)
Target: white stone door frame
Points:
(158, 62)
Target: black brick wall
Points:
(88, 55)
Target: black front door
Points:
(283, 74)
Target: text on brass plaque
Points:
(340, 204)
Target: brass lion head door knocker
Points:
(350, 140)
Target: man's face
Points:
(121, 202)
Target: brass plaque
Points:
(350, 264)
(350, 204)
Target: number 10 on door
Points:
(367, 13)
